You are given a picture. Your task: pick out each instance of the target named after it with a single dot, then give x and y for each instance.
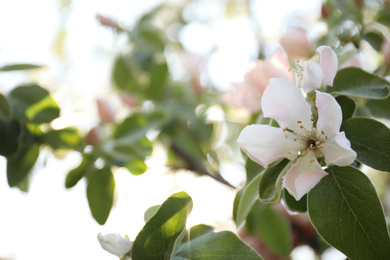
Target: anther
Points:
(286, 136)
(299, 122)
(312, 120)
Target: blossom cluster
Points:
(308, 135)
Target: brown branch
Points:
(196, 166)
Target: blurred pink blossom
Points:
(106, 113)
(128, 99)
(93, 136)
(248, 94)
(296, 43)
(106, 21)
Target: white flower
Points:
(319, 73)
(115, 244)
(298, 136)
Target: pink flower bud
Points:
(128, 99)
(296, 43)
(105, 21)
(386, 52)
(325, 11)
(93, 136)
(105, 111)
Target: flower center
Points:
(309, 139)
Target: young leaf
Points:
(375, 39)
(216, 246)
(245, 200)
(358, 83)
(371, 141)
(100, 193)
(271, 227)
(160, 235)
(346, 211)
(270, 187)
(123, 76)
(137, 167)
(86, 165)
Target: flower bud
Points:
(115, 244)
(93, 136)
(325, 11)
(106, 113)
(128, 99)
(296, 43)
(105, 21)
(386, 52)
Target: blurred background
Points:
(211, 46)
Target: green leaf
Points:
(293, 204)
(270, 187)
(371, 141)
(358, 83)
(252, 169)
(123, 76)
(271, 227)
(375, 39)
(9, 137)
(22, 66)
(33, 104)
(138, 124)
(20, 163)
(379, 107)
(245, 200)
(100, 193)
(4, 108)
(158, 77)
(67, 138)
(197, 231)
(149, 213)
(348, 106)
(216, 246)
(86, 165)
(383, 17)
(162, 233)
(137, 167)
(346, 211)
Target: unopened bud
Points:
(128, 99)
(105, 21)
(105, 111)
(325, 11)
(93, 136)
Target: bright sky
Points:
(51, 222)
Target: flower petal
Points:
(285, 103)
(303, 175)
(279, 60)
(265, 144)
(115, 244)
(328, 62)
(338, 151)
(329, 114)
(313, 77)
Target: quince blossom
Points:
(248, 94)
(319, 72)
(299, 136)
(115, 244)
